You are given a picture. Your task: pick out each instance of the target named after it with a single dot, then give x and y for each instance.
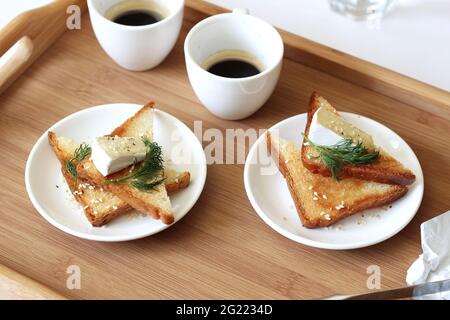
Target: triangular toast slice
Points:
(101, 206)
(155, 203)
(174, 180)
(321, 201)
(385, 169)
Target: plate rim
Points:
(313, 243)
(105, 238)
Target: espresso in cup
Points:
(137, 12)
(233, 64)
(233, 61)
(137, 34)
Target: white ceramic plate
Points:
(56, 204)
(269, 194)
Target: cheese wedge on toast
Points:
(386, 169)
(156, 202)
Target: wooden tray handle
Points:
(33, 32)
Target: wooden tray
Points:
(221, 249)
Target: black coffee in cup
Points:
(136, 13)
(233, 68)
(138, 18)
(233, 64)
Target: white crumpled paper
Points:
(434, 263)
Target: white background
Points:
(413, 39)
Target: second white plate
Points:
(270, 197)
(49, 193)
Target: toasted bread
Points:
(385, 169)
(99, 205)
(175, 181)
(321, 201)
(155, 203)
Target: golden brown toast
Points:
(385, 169)
(321, 201)
(155, 203)
(101, 206)
(175, 181)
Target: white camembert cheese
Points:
(320, 134)
(112, 154)
(328, 128)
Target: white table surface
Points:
(413, 39)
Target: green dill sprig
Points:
(150, 169)
(344, 152)
(147, 186)
(79, 154)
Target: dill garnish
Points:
(342, 153)
(79, 154)
(148, 175)
(147, 186)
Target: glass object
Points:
(361, 9)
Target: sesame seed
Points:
(324, 196)
(327, 217)
(315, 198)
(316, 194)
(114, 207)
(310, 188)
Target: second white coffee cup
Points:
(233, 98)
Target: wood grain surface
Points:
(34, 31)
(14, 286)
(221, 249)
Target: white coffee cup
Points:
(233, 98)
(137, 48)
